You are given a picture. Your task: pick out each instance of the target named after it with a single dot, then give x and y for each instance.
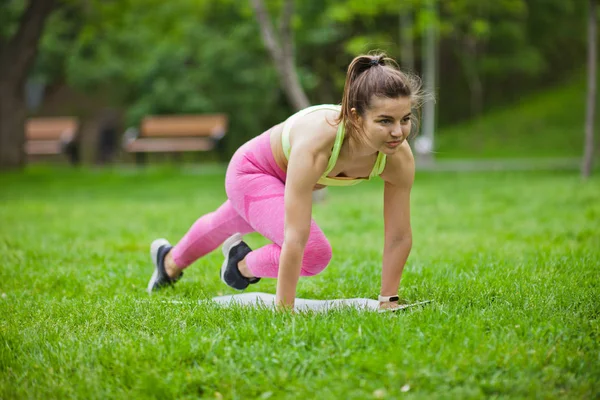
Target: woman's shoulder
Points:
(318, 115)
(320, 107)
(317, 125)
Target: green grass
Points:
(547, 124)
(512, 261)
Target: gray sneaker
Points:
(234, 250)
(158, 250)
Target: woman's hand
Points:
(389, 305)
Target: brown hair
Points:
(376, 75)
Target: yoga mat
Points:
(258, 299)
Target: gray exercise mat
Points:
(258, 299)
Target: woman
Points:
(270, 180)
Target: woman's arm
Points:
(399, 177)
(306, 164)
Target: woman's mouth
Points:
(393, 144)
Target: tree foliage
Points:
(190, 56)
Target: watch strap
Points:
(387, 299)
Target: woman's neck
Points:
(355, 146)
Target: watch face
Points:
(389, 298)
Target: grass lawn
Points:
(546, 124)
(511, 260)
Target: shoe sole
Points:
(233, 240)
(154, 247)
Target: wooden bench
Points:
(51, 136)
(175, 134)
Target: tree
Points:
(407, 56)
(17, 55)
(586, 168)
(282, 52)
(424, 144)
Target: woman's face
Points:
(386, 123)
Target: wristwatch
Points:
(387, 299)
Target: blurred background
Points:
(510, 77)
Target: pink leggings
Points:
(255, 185)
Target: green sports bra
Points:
(339, 139)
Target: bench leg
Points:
(221, 150)
(72, 152)
(140, 159)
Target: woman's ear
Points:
(355, 115)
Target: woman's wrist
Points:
(283, 304)
(388, 299)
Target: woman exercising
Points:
(270, 180)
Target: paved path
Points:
(514, 164)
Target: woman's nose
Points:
(397, 131)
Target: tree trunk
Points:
(407, 54)
(588, 157)
(16, 58)
(282, 52)
(425, 143)
(473, 79)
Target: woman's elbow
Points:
(296, 239)
(404, 241)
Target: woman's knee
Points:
(317, 255)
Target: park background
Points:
(507, 239)
(509, 76)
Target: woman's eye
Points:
(406, 120)
(385, 121)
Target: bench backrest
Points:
(213, 125)
(51, 128)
